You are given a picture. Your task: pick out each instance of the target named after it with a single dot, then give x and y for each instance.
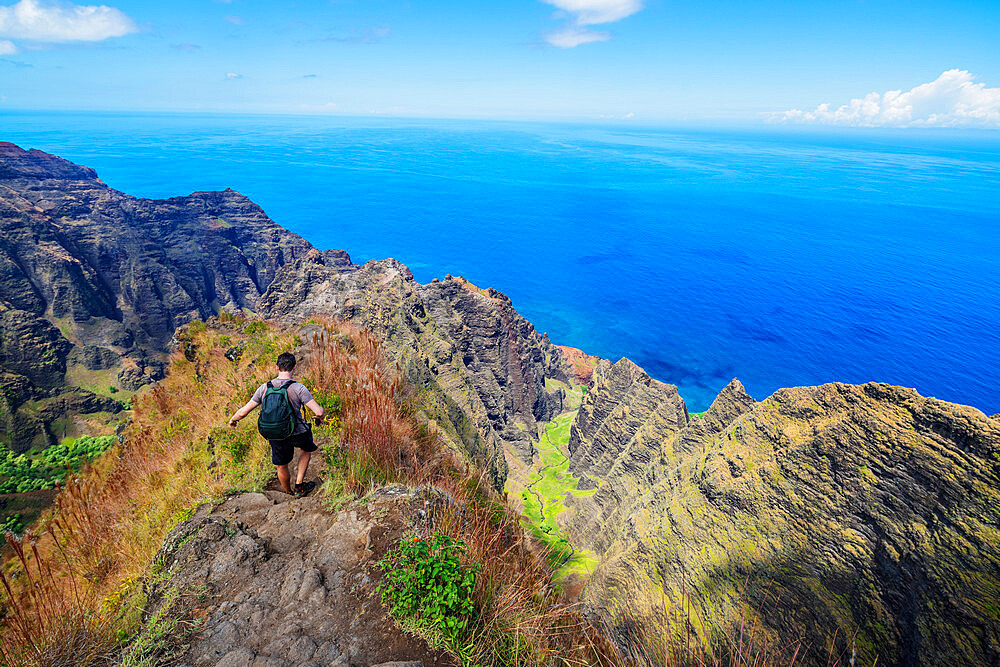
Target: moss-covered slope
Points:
(866, 511)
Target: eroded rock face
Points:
(615, 446)
(118, 274)
(74, 248)
(85, 266)
(32, 347)
(866, 509)
(484, 365)
(279, 582)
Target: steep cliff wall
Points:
(483, 367)
(93, 282)
(868, 510)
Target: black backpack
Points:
(277, 418)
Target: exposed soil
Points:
(583, 364)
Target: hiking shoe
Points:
(304, 489)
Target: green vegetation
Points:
(255, 328)
(30, 472)
(151, 644)
(544, 498)
(12, 524)
(332, 405)
(101, 382)
(474, 586)
(427, 588)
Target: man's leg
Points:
(284, 477)
(303, 464)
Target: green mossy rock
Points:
(867, 511)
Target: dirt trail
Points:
(268, 580)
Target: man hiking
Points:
(282, 423)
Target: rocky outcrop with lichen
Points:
(93, 282)
(480, 365)
(266, 579)
(866, 511)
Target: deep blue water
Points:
(782, 258)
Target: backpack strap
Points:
(269, 385)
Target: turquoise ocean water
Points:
(780, 257)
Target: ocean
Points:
(782, 257)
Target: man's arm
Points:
(317, 410)
(244, 411)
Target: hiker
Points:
(282, 424)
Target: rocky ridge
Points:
(866, 510)
(93, 282)
(869, 510)
(482, 367)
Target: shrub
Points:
(235, 443)
(12, 524)
(20, 473)
(255, 328)
(429, 588)
(332, 405)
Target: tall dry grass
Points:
(73, 587)
(523, 620)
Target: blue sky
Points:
(630, 60)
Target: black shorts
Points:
(283, 450)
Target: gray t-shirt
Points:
(298, 396)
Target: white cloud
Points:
(572, 36)
(952, 100)
(235, 20)
(233, 75)
(584, 13)
(63, 22)
(591, 12)
(7, 48)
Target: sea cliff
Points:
(854, 519)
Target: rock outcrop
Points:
(868, 511)
(267, 581)
(88, 274)
(482, 366)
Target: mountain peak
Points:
(17, 163)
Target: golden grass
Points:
(76, 566)
(74, 586)
(523, 620)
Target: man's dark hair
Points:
(286, 361)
